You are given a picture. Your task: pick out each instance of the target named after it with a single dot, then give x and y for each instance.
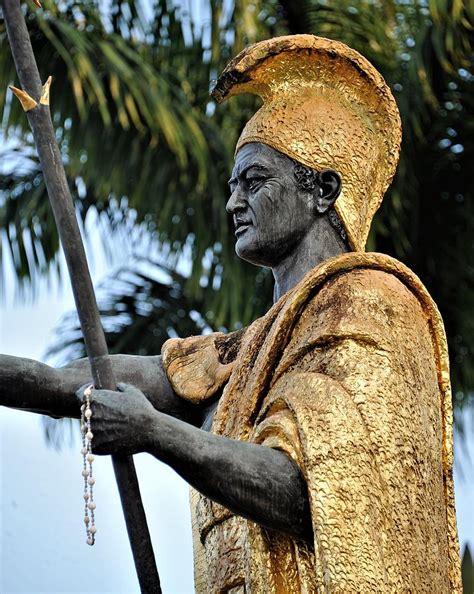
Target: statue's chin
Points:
(251, 253)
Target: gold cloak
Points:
(348, 374)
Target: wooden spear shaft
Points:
(39, 119)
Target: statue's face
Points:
(271, 214)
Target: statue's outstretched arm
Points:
(254, 481)
(33, 386)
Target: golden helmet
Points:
(327, 107)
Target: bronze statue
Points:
(318, 441)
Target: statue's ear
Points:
(329, 182)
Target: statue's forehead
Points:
(258, 155)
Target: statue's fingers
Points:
(130, 389)
(122, 387)
(104, 446)
(98, 398)
(99, 433)
(99, 448)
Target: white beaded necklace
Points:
(88, 458)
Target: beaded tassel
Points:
(88, 458)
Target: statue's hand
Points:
(121, 421)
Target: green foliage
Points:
(467, 569)
(142, 306)
(144, 144)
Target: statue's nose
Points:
(236, 201)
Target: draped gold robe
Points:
(348, 374)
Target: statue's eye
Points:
(254, 183)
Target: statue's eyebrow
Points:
(262, 168)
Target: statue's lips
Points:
(241, 228)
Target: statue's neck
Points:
(319, 244)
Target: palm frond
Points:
(141, 306)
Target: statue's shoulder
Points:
(368, 295)
(364, 296)
(361, 276)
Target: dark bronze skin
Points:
(280, 223)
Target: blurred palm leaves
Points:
(142, 307)
(143, 143)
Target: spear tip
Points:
(26, 101)
(44, 99)
(38, 3)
